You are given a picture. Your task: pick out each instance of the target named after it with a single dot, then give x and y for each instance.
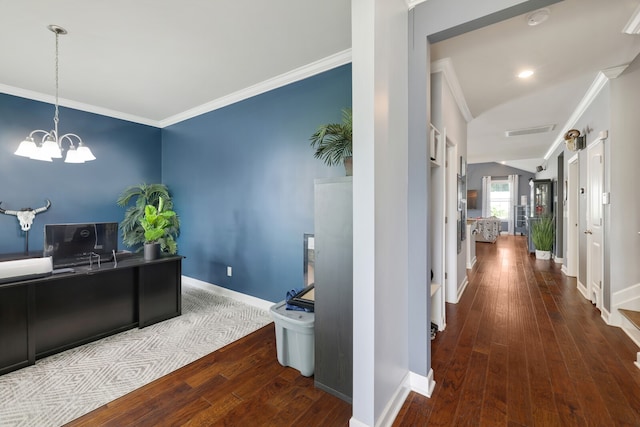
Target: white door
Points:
(595, 174)
(572, 217)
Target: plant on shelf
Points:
(543, 236)
(333, 142)
(157, 224)
(133, 234)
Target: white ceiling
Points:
(579, 39)
(151, 61)
(154, 59)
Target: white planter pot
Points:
(543, 254)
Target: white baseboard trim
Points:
(238, 296)
(605, 315)
(627, 298)
(564, 270)
(558, 260)
(462, 288)
(582, 289)
(421, 384)
(637, 362)
(394, 404)
(356, 423)
(631, 331)
(471, 263)
(412, 382)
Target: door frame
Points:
(451, 227)
(573, 230)
(595, 295)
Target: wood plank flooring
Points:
(521, 348)
(524, 348)
(241, 384)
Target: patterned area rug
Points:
(62, 387)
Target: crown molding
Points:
(37, 96)
(596, 86)
(445, 66)
(633, 26)
(413, 3)
(317, 67)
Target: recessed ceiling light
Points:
(525, 74)
(538, 17)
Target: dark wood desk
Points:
(44, 316)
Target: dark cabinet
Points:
(521, 213)
(75, 310)
(44, 316)
(159, 298)
(333, 225)
(541, 197)
(16, 344)
(541, 204)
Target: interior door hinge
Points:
(445, 276)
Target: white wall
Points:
(456, 127)
(379, 38)
(624, 172)
(390, 198)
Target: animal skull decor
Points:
(25, 215)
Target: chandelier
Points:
(51, 145)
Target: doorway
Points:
(572, 254)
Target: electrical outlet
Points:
(229, 271)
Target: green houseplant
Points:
(543, 236)
(143, 195)
(157, 223)
(333, 142)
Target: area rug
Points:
(62, 387)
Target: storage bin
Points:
(295, 338)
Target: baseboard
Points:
(421, 384)
(471, 263)
(558, 260)
(627, 298)
(582, 289)
(631, 331)
(356, 423)
(238, 296)
(564, 270)
(605, 315)
(462, 288)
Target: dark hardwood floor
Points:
(524, 348)
(521, 348)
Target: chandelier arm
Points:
(39, 131)
(68, 136)
(44, 149)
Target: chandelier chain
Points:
(51, 145)
(55, 117)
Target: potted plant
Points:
(333, 142)
(157, 224)
(143, 195)
(543, 236)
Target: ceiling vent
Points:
(529, 131)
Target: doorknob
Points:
(588, 232)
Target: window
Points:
(500, 198)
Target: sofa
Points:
(487, 229)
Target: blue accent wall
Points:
(127, 154)
(242, 182)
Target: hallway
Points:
(524, 348)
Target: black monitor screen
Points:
(73, 244)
